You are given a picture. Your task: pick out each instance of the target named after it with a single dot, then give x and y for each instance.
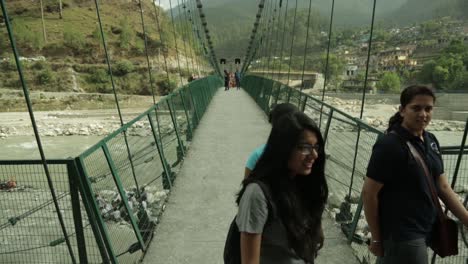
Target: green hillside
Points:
(419, 10)
(70, 57)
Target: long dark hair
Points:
(279, 110)
(407, 95)
(300, 200)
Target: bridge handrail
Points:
(156, 151)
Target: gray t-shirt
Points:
(252, 217)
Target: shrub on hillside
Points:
(74, 40)
(8, 65)
(45, 77)
(26, 37)
(55, 49)
(123, 67)
(40, 65)
(166, 86)
(99, 76)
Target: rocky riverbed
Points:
(80, 123)
(377, 112)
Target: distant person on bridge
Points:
(292, 169)
(226, 80)
(237, 75)
(277, 111)
(397, 196)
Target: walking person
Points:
(237, 76)
(226, 80)
(398, 205)
(283, 225)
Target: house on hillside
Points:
(397, 59)
(356, 85)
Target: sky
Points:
(165, 3)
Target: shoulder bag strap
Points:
(430, 182)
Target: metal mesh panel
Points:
(29, 227)
(168, 133)
(110, 202)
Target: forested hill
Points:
(419, 10)
(231, 21)
(63, 51)
(75, 31)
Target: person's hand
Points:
(376, 248)
(321, 239)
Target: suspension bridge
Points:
(161, 188)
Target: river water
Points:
(60, 147)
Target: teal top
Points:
(253, 158)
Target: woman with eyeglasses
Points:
(292, 170)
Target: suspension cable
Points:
(175, 42)
(270, 36)
(325, 75)
(266, 35)
(356, 149)
(306, 45)
(158, 24)
(282, 39)
(146, 51)
(197, 37)
(36, 131)
(254, 42)
(276, 39)
(182, 32)
(109, 68)
(187, 32)
(368, 60)
(293, 34)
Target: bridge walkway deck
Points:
(201, 206)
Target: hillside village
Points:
(433, 52)
(402, 53)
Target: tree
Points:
(335, 66)
(43, 23)
(457, 47)
(390, 82)
(425, 75)
(440, 75)
(461, 82)
(60, 9)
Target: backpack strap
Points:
(270, 205)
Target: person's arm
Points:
(321, 237)
(250, 247)
(450, 199)
(370, 199)
(247, 172)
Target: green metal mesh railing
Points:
(110, 205)
(349, 144)
(29, 228)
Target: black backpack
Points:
(232, 254)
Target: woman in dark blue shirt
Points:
(396, 194)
